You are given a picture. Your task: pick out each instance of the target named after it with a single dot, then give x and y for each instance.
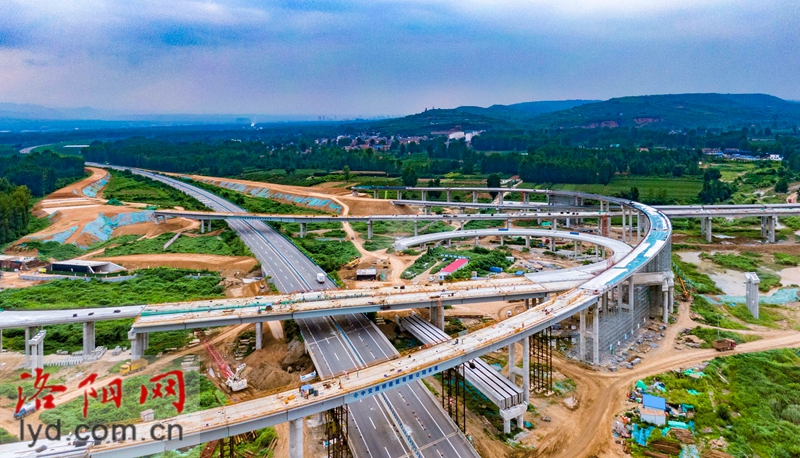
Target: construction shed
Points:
(367, 274)
(85, 267)
(452, 267)
(653, 410)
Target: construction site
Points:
(538, 327)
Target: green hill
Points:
(675, 111)
(525, 111)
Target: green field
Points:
(670, 190)
(127, 187)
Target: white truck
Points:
(321, 277)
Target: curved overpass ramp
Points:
(205, 426)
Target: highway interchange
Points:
(391, 377)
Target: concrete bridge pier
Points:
(449, 195)
(35, 349)
(259, 335)
(594, 334)
(424, 194)
(415, 228)
(526, 198)
(527, 241)
(772, 220)
(399, 194)
(751, 291)
(638, 228)
(474, 197)
(88, 338)
(374, 193)
(763, 227)
(708, 230)
(296, 438)
(139, 343)
(27, 350)
(502, 196)
(437, 315)
(369, 230)
(202, 226)
(476, 241)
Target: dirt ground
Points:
(69, 192)
(227, 265)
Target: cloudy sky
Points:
(378, 57)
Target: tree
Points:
(346, 171)
(409, 177)
(435, 183)
(782, 185)
(493, 181)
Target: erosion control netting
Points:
(266, 193)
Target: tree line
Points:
(42, 173)
(15, 207)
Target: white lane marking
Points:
(373, 423)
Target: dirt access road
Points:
(603, 394)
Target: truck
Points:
(724, 344)
(133, 366)
(320, 277)
(25, 410)
(494, 269)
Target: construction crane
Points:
(232, 379)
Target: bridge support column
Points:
(763, 227)
(708, 230)
(526, 198)
(27, 350)
(476, 241)
(638, 228)
(502, 240)
(369, 230)
(303, 230)
(35, 348)
(582, 336)
(474, 197)
(424, 193)
(296, 438)
(202, 226)
(512, 357)
(259, 335)
(502, 196)
(88, 338)
(665, 300)
(596, 334)
(772, 220)
(139, 344)
(751, 290)
(415, 228)
(527, 241)
(399, 194)
(374, 193)
(526, 373)
(449, 195)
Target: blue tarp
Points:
(654, 402)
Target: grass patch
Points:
(651, 189)
(701, 282)
(128, 187)
(711, 315)
(330, 255)
(6, 437)
(227, 243)
(733, 261)
(766, 317)
(786, 259)
(378, 243)
(768, 281)
(52, 250)
(149, 287)
(709, 335)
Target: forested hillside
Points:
(15, 206)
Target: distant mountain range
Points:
(671, 111)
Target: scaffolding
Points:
(336, 428)
(541, 367)
(454, 396)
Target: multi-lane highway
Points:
(335, 351)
